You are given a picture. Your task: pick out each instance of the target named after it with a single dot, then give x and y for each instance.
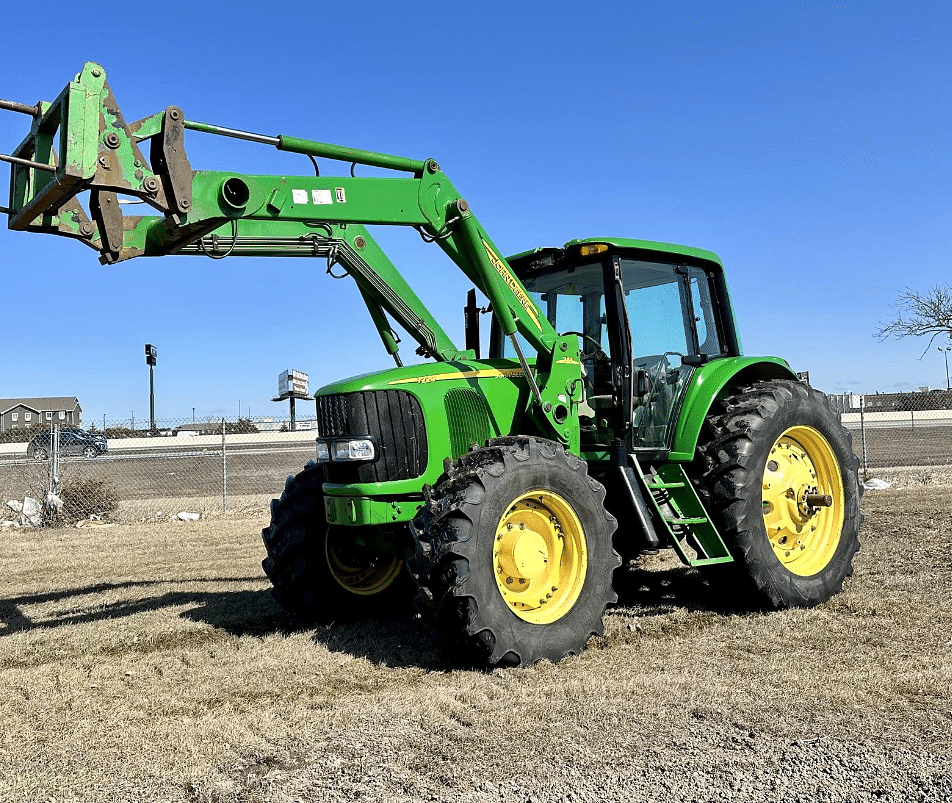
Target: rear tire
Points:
(514, 552)
(769, 447)
(317, 571)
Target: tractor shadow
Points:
(658, 591)
(245, 612)
(401, 640)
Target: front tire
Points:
(318, 571)
(514, 552)
(782, 487)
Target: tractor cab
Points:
(646, 314)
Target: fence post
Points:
(54, 461)
(224, 471)
(862, 429)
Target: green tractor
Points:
(614, 414)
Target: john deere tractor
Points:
(614, 414)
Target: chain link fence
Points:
(188, 469)
(183, 469)
(904, 437)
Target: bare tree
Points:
(921, 315)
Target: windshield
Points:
(572, 301)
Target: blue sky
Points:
(806, 144)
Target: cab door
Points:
(673, 324)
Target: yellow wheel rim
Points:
(358, 572)
(540, 557)
(802, 528)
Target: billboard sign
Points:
(292, 383)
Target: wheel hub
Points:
(358, 571)
(540, 557)
(523, 554)
(802, 500)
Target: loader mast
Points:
(81, 143)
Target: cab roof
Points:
(645, 248)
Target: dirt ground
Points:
(149, 663)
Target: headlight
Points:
(346, 450)
(362, 449)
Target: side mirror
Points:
(642, 386)
(695, 360)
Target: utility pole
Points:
(150, 360)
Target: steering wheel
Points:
(599, 353)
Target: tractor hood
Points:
(415, 377)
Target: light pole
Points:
(150, 360)
(946, 350)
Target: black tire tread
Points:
(445, 550)
(733, 437)
(296, 565)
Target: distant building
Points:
(49, 410)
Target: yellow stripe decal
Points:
(513, 285)
(483, 373)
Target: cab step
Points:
(682, 513)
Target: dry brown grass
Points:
(148, 662)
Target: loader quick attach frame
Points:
(81, 142)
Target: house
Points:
(24, 413)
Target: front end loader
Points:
(614, 414)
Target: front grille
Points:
(393, 418)
(469, 419)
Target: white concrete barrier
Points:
(191, 443)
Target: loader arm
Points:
(80, 143)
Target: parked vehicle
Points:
(73, 442)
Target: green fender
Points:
(710, 381)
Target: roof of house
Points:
(40, 403)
